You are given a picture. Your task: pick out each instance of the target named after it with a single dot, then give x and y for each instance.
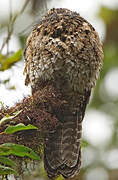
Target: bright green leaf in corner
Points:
(19, 127)
(8, 118)
(7, 62)
(17, 150)
(6, 170)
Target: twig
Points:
(11, 24)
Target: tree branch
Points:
(39, 110)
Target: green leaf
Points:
(19, 127)
(84, 144)
(6, 170)
(8, 118)
(17, 150)
(7, 62)
(7, 161)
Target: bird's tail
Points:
(62, 151)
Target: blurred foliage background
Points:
(100, 126)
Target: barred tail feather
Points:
(62, 152)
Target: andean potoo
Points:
(64, 51)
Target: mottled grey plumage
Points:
(64, 51)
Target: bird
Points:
(64, 51)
